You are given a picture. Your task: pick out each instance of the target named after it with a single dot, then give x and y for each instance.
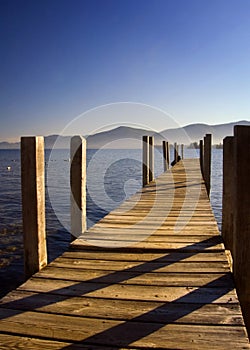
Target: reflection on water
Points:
(112, 176)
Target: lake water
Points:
(112, 177)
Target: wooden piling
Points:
(201, 157)
(33, 204)
(182, 151)
(228, 185)
(151, 158)
(145, 160)
(78, 185)
(165, 148)
(167, 155)
(241, 209)
(175, 152)
(207, 161)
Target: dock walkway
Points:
(152, 274)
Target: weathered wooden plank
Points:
(119, 333)
(164, 257)
(150, 246)
(167, 230)
(196, 215)
(144, 267)
(132, 292)
(162, 213)
(142, 224)
(158, 231)
(157, 219)
(136, 277)
(157, 312)
(153, 238)
(10, 342)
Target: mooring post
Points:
(167, 155)
(201, 157)
(175, 152)
(33, 204)
(78, 185)
(151, 158)
(207, 161)
(165, 148)
(228, 187)
(182, 151)
(241, 209)
(145, 160)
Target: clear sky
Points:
(60, 58)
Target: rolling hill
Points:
(127, 137)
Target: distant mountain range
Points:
(196, 132)
(127, 137)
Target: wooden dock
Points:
(153, 274)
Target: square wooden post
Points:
(228, 187)
(175, 152)
(78, 185)
(33, 204)
(145, 160)
(165, 148)
(151, 158)
(201, 157)
(241, 209)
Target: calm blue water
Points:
(112, 176)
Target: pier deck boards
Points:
(153, 274)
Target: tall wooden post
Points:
(201, 157)
(33, 204)
(145, 160)
(175, 152)
(241, 202)
(182, 151)
(228, 187)
(78, 185)
(207, 161)
(151, 158)
(165, 148)
(167, 155)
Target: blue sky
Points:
(60, 58)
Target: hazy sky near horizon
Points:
(60, 58)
